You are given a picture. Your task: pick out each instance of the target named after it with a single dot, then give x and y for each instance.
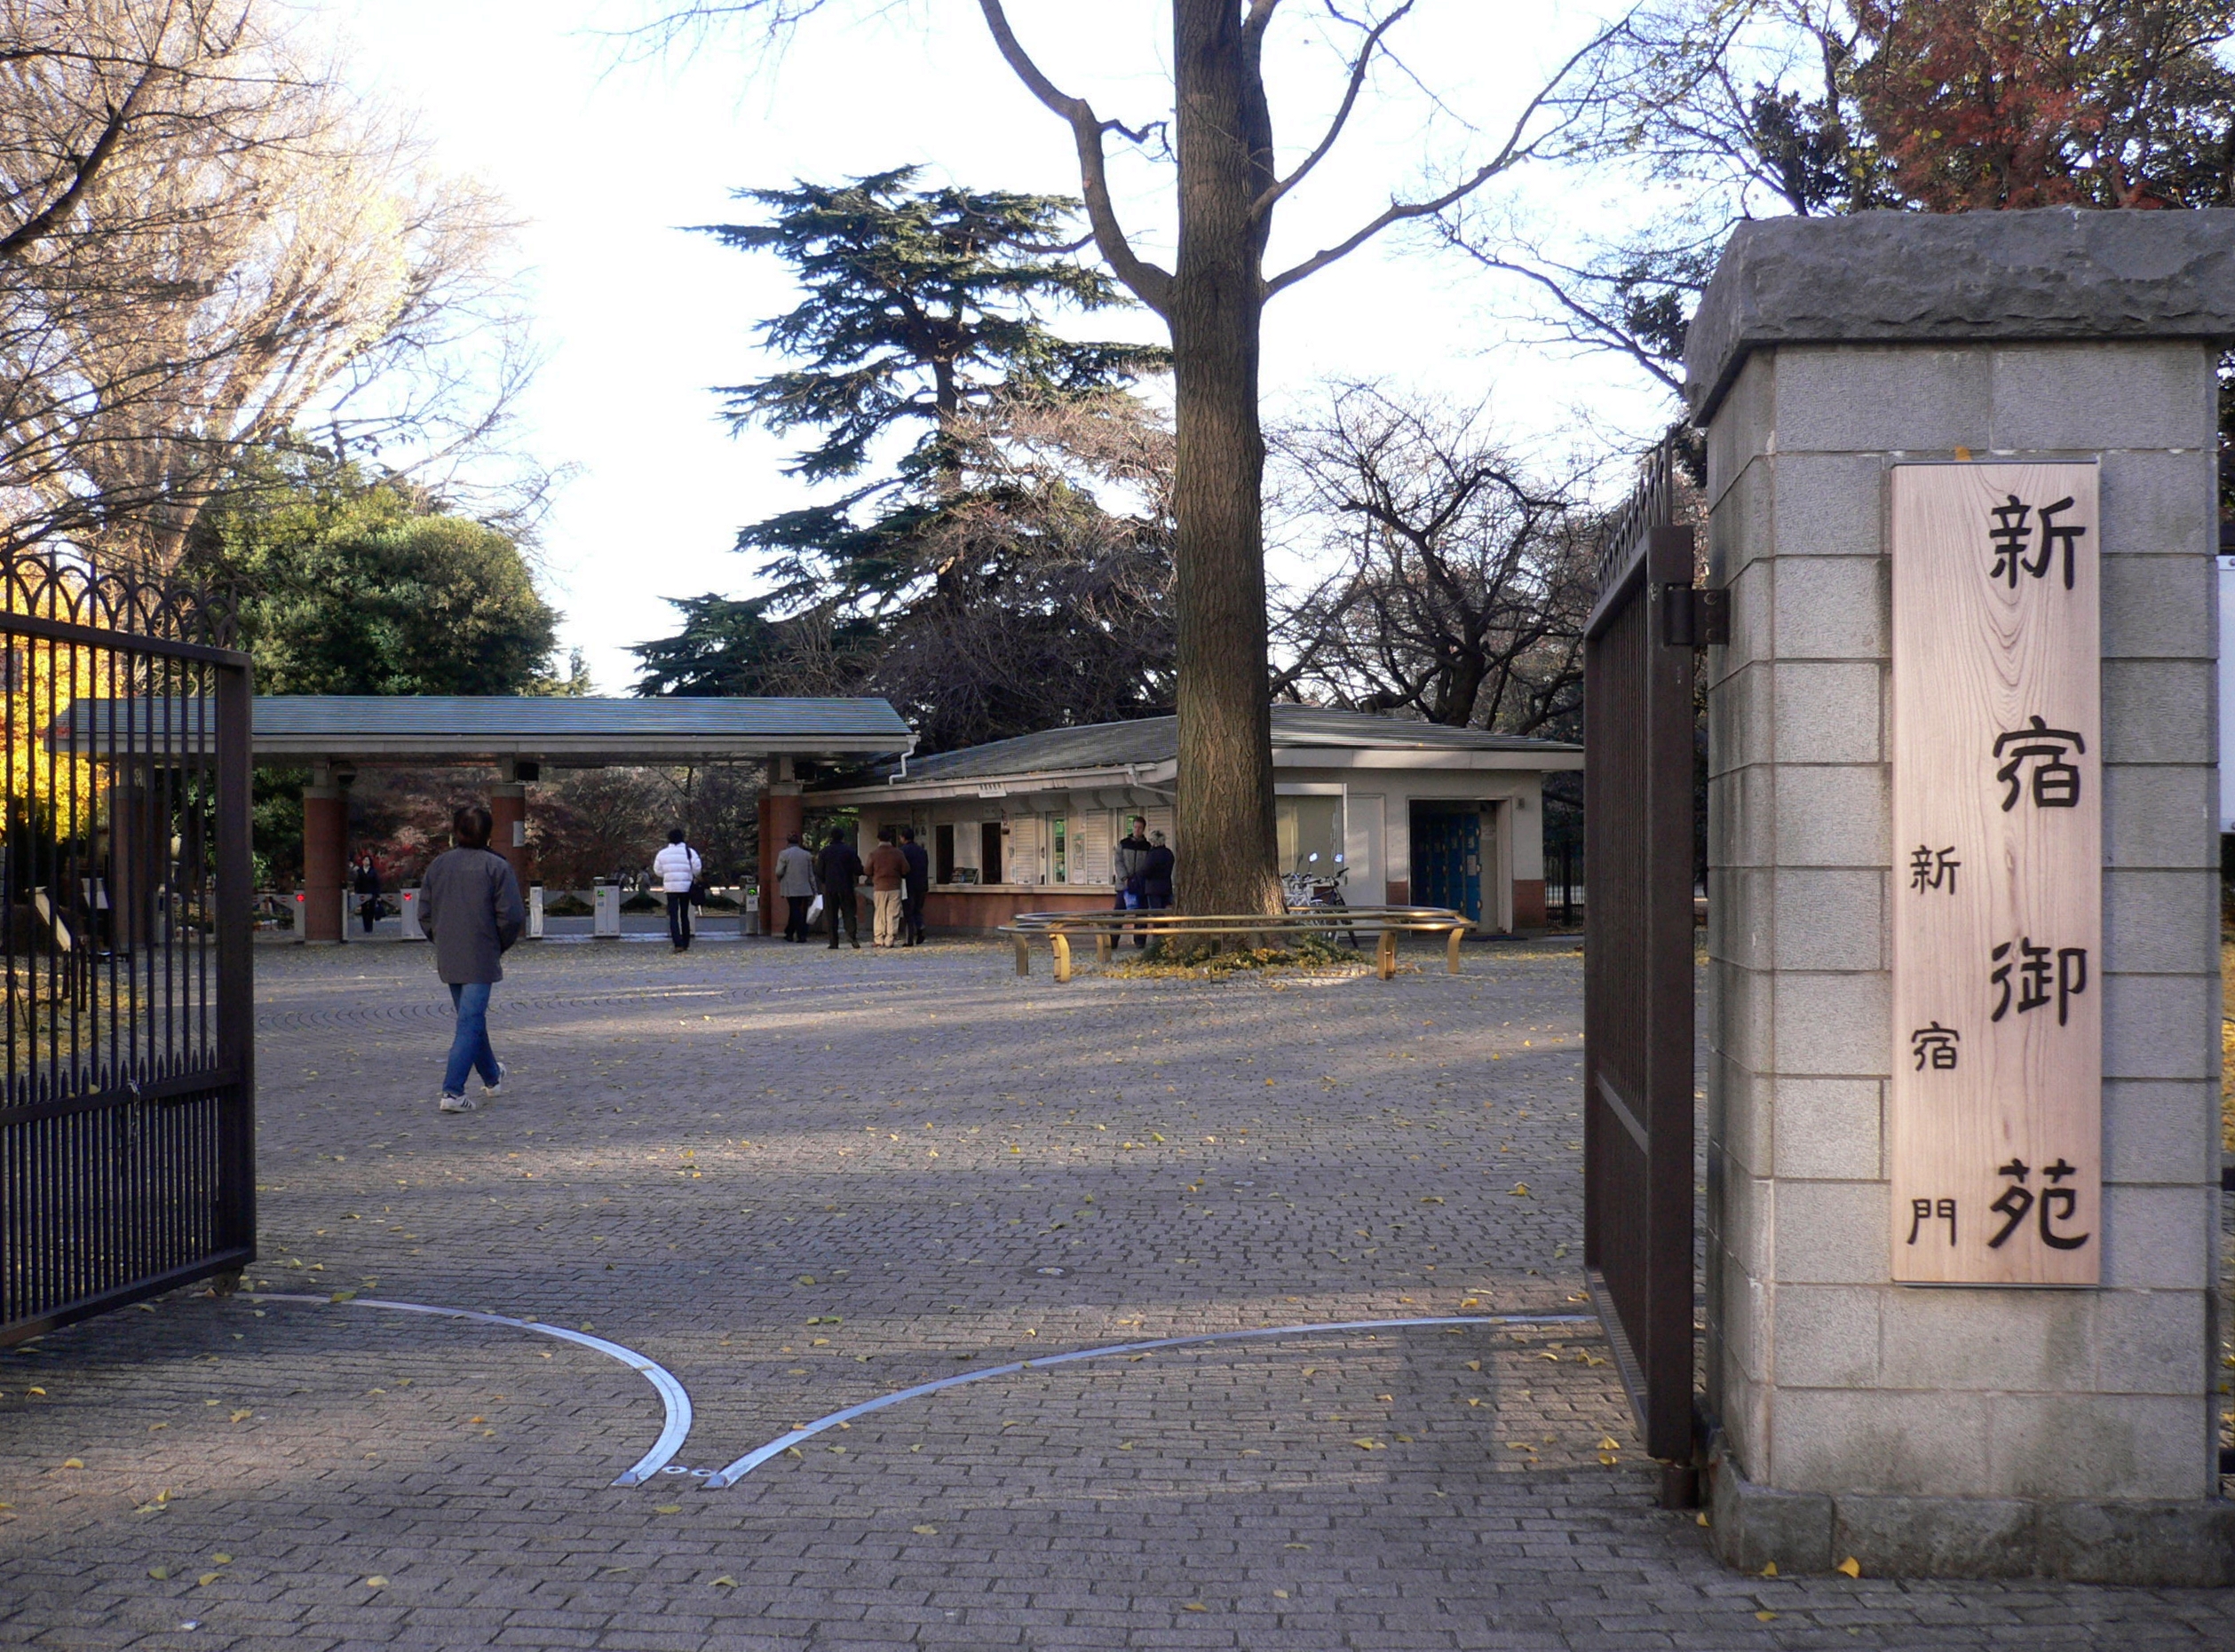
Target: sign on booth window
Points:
(1995, 1108)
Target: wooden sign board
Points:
(1995, 1108)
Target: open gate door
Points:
(1637, 993)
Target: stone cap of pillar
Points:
(2056, 273)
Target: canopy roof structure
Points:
(560, 731)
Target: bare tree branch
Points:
(1519, 146)
(1355, 83)
(1151, 284)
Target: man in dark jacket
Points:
(840, 869)
(919, 884)
(470, 908)
(1129, 866)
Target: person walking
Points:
(1128, 864)
(1156, 876)
(840, 869)
(366, 882)
(919, 886)
(677, 868)
(796, 882)
(470, 908)
(888, 886)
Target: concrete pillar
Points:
(508, 836)
(783, 811)
(325, 858)
(1955, 1430)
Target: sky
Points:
(609, 155)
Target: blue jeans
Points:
(470, 1050)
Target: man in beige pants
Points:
(888, 884)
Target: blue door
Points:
(1447, 859)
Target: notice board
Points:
(1994, 1121)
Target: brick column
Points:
(782, 811)
(325, 860)
(1955, 1430)
(508, 809)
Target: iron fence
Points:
(126, 1114)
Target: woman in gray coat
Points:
(796, 882)
(470, 906)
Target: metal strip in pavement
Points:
(673, 1395)
(754, 1459)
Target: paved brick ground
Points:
(801, 1180)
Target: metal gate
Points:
(1637, 1008)
(127, 1119)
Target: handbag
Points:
(698, 884)
(814, 909)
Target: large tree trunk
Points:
(1225, 848)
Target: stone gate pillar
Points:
(1955, 1429)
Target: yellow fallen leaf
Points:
(1701, 1517)
(1311, 1371)
(1850, 1566)
(1474, 1364)
(1369, 1445)
(1607, 1457)
(207, 1578)
(40, 1392)
(668, 1508)
(222, 1559)
(161, 1574)
(1431, 1199)
(793, 1450)
(1472, 1303)
(1765, 1617)
(477, 1419)
(924, 1531)
(1197, 1605)
(1606, 1443)
(1770, 1571)
(241, 1416)
(376, 1581)
(1520, 1190)
(725, 1582)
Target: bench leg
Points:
(1451, 953)
(1102, 946)
(1023, 956)
(1385, 955)
(1062, 944)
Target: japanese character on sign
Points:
(1936, 1044)
(2056, 782)
(2012, 535)
(1931, 869)
(2054, 1204)
(1922, 1211)
(2034, 975)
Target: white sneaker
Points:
(457, 1104)
(498, 1088)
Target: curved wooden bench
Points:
(1385, 923)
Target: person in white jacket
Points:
(677, 866)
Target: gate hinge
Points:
(1694, 616)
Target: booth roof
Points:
(1149, 741)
